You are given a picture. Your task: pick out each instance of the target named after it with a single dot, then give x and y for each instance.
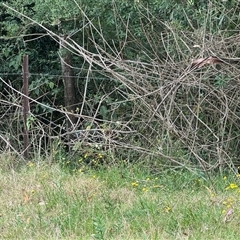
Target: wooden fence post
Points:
(26, 106)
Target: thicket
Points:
(134, 94)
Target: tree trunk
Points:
(69, 85)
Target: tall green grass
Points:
(39, 200)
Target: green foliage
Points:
(147, 31)
(221, 80)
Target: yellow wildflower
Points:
(167, 209)
(230, 200)
(232, 186)
(134, 184)
(31, 164)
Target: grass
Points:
(40, 200)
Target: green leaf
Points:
(103, 111)
(51, 85)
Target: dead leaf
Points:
(26, 197)
(200, 62)
(228, 215)
(41, 203)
